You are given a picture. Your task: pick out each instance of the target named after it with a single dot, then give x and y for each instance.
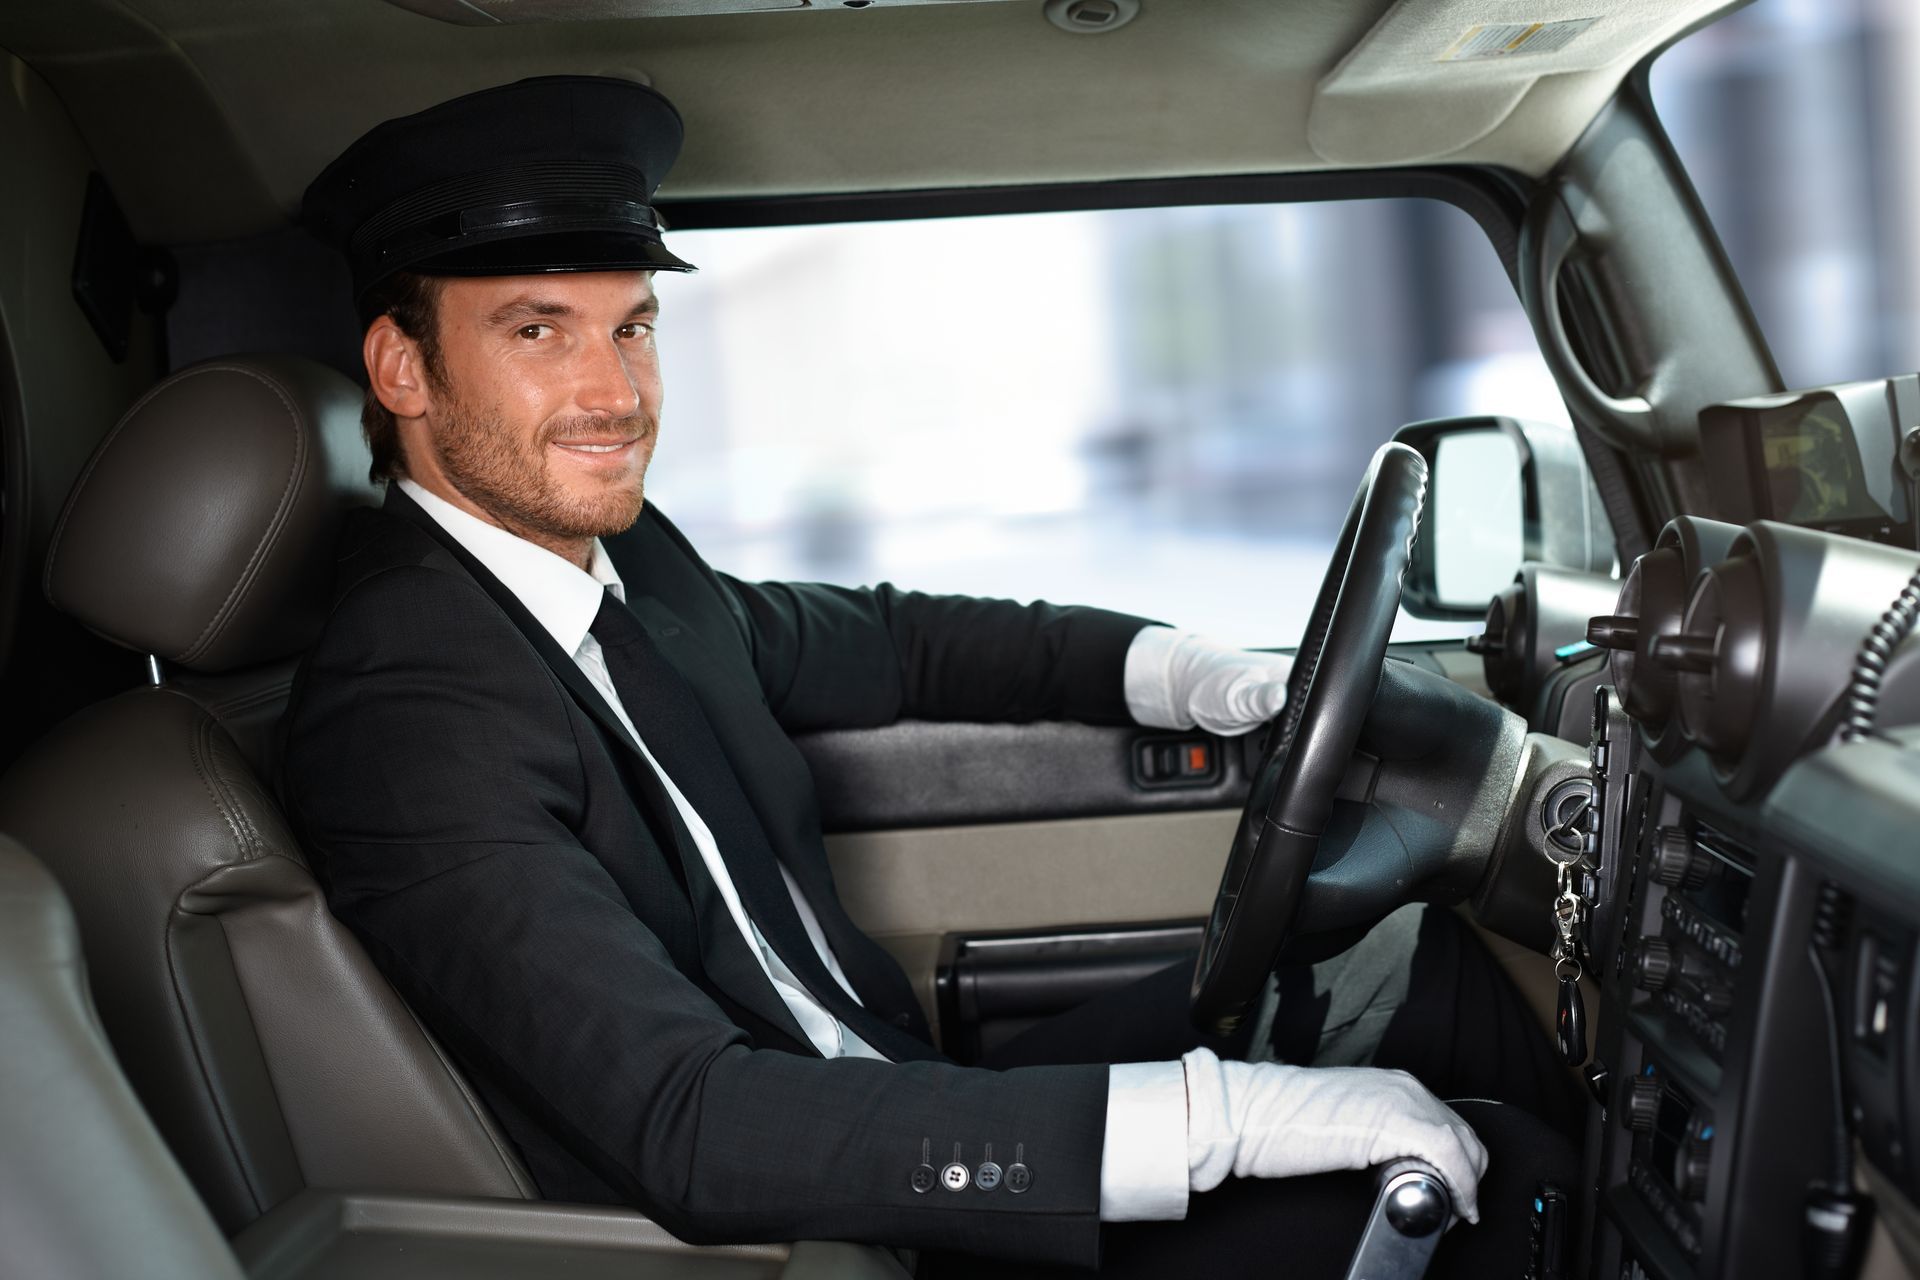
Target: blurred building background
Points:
(1800, 122)
(1167, 411)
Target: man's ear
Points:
(394, 369)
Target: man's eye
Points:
(533, 332)
(634, 330)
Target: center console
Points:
(1756, 1022)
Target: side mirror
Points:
(1500, 492)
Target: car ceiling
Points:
(209, 117)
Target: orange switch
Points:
(1197, 758)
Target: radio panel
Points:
(1690, 965)
(1671, 1157)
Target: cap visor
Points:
(557, 251)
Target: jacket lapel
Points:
(723, 952)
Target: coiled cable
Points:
(1870, 664)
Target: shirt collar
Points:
(561, 597)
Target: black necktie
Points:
(680, 738)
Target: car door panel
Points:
(956, 840)
(913, 890)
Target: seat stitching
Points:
(221, 806)
(243, 815)
(248, 574)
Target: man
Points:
(539, 757)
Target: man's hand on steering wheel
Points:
(1179, 680)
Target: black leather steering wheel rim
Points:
(1329, 694)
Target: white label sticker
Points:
(1505, 39)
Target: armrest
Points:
(334, 1235)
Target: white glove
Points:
(1269, 1120)
(1175, 680)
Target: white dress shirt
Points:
(1145, 1162)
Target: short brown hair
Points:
(413, 301)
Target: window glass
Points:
(1164, 411)
(1799, 121)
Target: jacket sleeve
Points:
(841, 657)
(433, 773)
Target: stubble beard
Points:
(511, 480)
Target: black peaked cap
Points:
(556, 173)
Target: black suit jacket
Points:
(484, 824)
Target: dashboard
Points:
(1753, 911)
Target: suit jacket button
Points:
(955, 1177)
(987, 1176)
(923, 1179)
(1018, 1178)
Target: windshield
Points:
(1164, 411)
(1799, 122)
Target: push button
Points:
(1018, 1177)
(923, 1177)
(1176, 762)
(955, 1176)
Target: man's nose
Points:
(606, 385)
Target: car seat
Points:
(266, 1046)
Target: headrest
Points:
(202, 530)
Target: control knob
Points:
(1655, 968)
(1716, 998)
(1643, 1104)
(1678, 862)
(1690, 1170)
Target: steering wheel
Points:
(1328, 697)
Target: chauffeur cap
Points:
(556, 173)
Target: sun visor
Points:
(1433, 76)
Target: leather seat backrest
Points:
(87, 1188)
(268, 1049)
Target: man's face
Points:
(548, 405)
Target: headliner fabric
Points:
(209, 117)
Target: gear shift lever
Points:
(1409, 1216)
